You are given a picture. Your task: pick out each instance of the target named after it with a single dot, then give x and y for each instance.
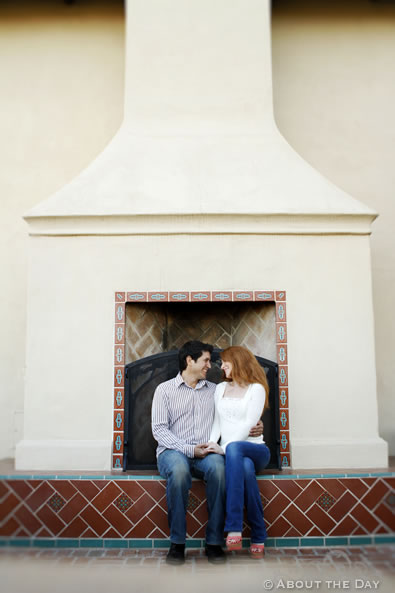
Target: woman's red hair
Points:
(245, 368)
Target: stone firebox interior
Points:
(150, 323)
(153, 328)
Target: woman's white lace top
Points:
(235, 416)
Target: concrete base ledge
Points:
(310, 454)
(75, 455)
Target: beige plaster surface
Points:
(60, 103)
(334, 92)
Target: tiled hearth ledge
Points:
(324, 508)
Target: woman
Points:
(239, 402)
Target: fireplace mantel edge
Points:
(203, 224)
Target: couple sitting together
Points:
(213, 432)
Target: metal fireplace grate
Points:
(141, 379)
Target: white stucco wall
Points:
(61, 101)
(334, 96)
(62, 73)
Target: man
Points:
(182, 416)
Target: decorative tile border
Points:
(271, 542)
(123, 297)
(298, 511)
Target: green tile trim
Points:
(384, 539)
(141, 543)
(364, 540)
(312, 541)
(161, 543)
(194, 543)
(336, 541)
(67, 543)
(91, 543)
(22, 542)
(43, 543)
(284, 542)
(116, 543)
(156, 477)
(287, 542)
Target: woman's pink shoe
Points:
(233, 542)
(257, 550)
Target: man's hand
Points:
(200, 450)
(257, 430)
(214, 448)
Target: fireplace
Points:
(149, 329)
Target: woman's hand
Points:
(214, 448)
(257, 430)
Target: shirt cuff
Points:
(189, 451)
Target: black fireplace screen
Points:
(141, 379)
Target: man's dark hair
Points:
(195, 349)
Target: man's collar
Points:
(179, 381)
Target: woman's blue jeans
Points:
(178, 470)
(242, 460)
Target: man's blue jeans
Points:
(178, 470)
(242, 460)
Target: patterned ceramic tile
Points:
(118, 420)
(284, 419)
(282, 376)
(281, 295)
(193, 503)
(56, 503)
(119, 297)
(285, 460)
(201, 296)
(281, 333)
(284, 441)
(119, 377)
(119, 313)
(281, 312)
(282, 354)
(119, 398)
(118, 442)
(326, 501)
(119, 355)
(283, 397)
(137, 297)
(221, 296)
(123, 503)
(117, 461)
(263, 295)
(179, 297)
(242, 296)
(158, 297)
(119, 333)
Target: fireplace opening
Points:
(141, 379)
(152, 328)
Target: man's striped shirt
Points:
(182, 417)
